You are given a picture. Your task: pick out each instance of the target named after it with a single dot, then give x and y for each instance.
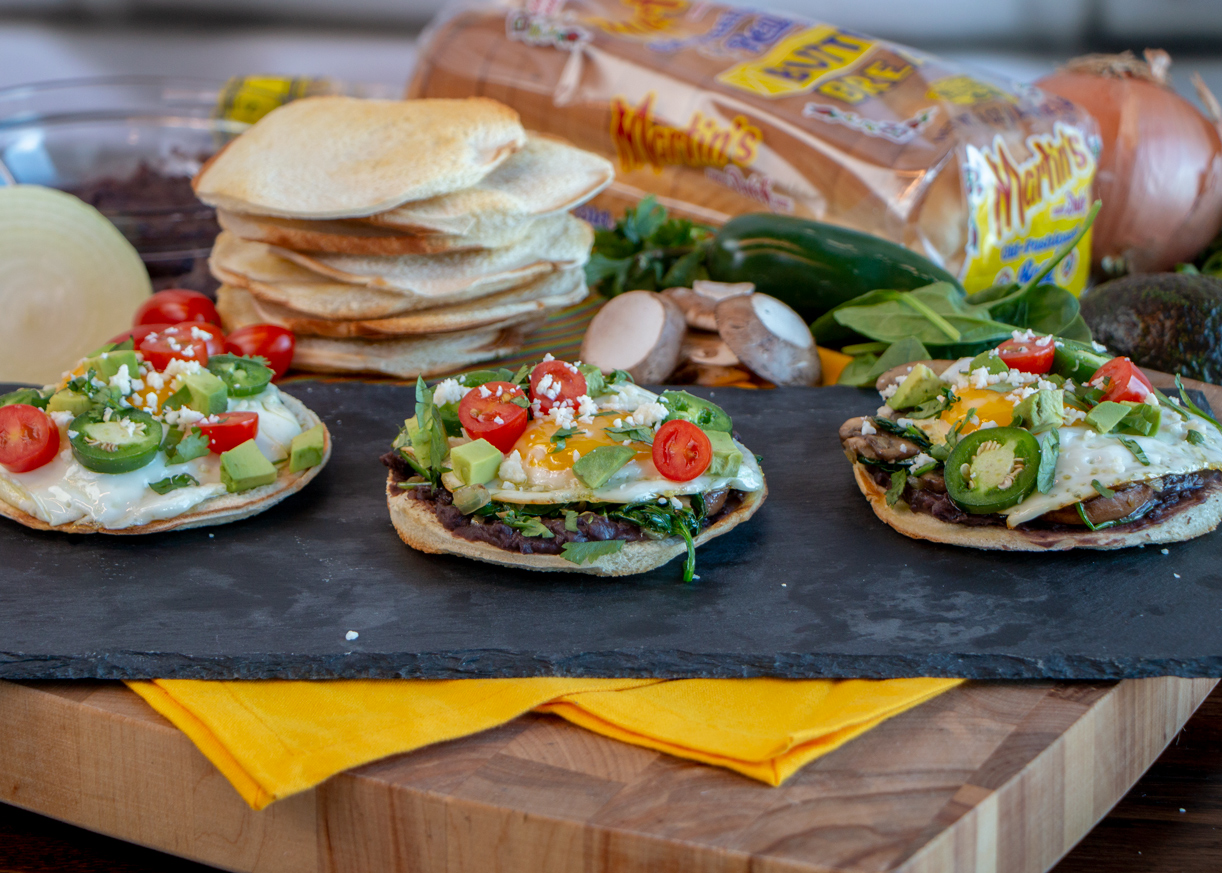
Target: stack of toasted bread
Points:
(403, 238)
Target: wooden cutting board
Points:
(988, 777)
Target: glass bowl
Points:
(129, 146)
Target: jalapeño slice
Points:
(244, 377)
(992, 469)
(126, 441)
(705, 414)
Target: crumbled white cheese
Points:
(62, 418)
(1023, 335)
(498, 420)
(675, 503)
(586, 407)
(1045, 385)
(1073, 416)
(155, 380)
(922, 460)
(1099, 347)
(548, 357)
(511, 469)
(576, 456)
(985, 425)
(562, 414)
(889, 391)
(197, 333)
(484, 392)
(1043, 341)
(868, 428)
(980, 377)
(449, 391)
(122, 380)
(905, 422)
(649, 414)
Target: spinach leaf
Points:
(1050, 453)
(1103, 490)
(580, 553)
(898, 480)
(934, 315)
(1137, 450)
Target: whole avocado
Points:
(1167, 321)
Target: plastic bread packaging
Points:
(719, 111)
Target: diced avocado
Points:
(598, 465)
(727, 457)
(28, 396)
(306, 449)
(1143, 419)
(1106, 416)
(476, 462)
(244, 467)
(1041, 412)
(107, 364)
(919, 386)
(68, 401)
(207, 393)
(991, 362)
(1077, 361)
(469, 498)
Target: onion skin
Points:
(1159, 175)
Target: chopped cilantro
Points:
(581, 553)
(171, 483)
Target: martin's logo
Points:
(705, 142)
(1057, 161)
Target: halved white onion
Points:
(69, 281)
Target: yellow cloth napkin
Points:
(275, 738)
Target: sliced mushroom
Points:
(769, 338)
(699, 302)
(641, 332)
(707, 349)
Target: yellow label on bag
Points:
(1022, 212)
(799, 63)
(249, 98)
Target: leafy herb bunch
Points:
(648, 250)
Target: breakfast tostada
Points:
(561, 467)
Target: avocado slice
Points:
(206, 393)
(107, 364)
(1041, 412)
(476, 462)
(306, 449)
(727, 457)
(1167, 321)
(244, 467)
(596, 467)
(69, 401)
(919, 386)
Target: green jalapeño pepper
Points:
(992, 469)
(813, 266)
(244, 377)
(115, 440)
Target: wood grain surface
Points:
(1003, 777)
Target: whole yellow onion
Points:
(1160, 169)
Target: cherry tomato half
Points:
(230, 430)
(488, 413)
(681, 450)
(269, 341)
(28, 438)
(1122, 380)
(175, 342)
(1028, 355)
(554, 382)
(174, 305)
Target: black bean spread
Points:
(591, 526)
(1178, 492)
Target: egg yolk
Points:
(535, 444)
(989, 406)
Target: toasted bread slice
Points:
(418, 526)
(217, 510)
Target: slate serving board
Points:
(814, 585)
